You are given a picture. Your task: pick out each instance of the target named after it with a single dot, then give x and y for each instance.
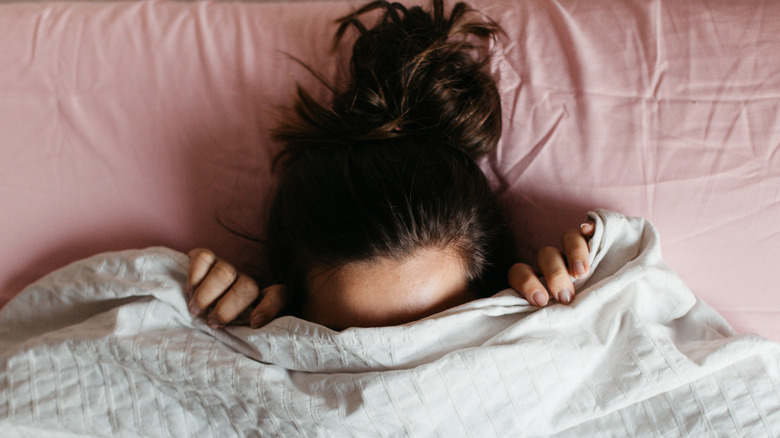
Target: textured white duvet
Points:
(106, 347)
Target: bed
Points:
(137, 124)
(134, 124)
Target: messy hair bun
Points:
(389, 169)
(415, 73)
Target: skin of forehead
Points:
(383, 291)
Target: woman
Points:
(382, 215)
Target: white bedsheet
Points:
(106, 347)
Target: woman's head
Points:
(349, 205)
(383, 185)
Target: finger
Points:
(201, 261)
(274, 299)
(214, 285)
(238, 298)
(577, 254)
(523, 279)
(556, 274)
(588, 228)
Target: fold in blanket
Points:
(106, 346)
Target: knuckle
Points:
(519, 268)
(522, 277)
(245, 288)
(548, 253)
(275, 296)
(276, 289)
(224, 272)
(518, 271)
(201, 255)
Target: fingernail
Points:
(579, 269)
(213, 323)
(539, 298)
(564, 296)
(194, 310)
(586, 227)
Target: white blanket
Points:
(106, 347)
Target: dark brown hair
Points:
(389, 167)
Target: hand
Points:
(217, 289)
(557, 268)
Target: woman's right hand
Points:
(217, 291)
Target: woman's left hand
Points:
(557, 268)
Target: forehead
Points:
(384, 291)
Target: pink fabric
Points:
(135, 124)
